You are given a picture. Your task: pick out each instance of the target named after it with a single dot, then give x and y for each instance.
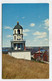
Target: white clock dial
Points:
(18, 37)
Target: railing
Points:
(17, 40)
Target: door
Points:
(19, 48)
(18, 45)
(15, 47)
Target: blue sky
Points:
(34, 19)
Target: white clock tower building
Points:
(18, 43)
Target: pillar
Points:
(17, 46)
(12, 46)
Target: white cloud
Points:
(32, 24)
(40, 25)
(26, 30)
(46, 28)
(23, 17)
(46, 39)
(7, 44)
(29, 43)
(7, 27)
(37, 42)
(37, 33)
(7, 41)
(9, 36)
(46, 24)
(40, 34)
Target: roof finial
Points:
(17, 23)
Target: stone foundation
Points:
(21, 55)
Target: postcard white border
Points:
(50, 34)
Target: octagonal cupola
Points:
(17, 32)
(18, 29)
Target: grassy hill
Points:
(13, 68)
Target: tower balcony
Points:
(17, 41)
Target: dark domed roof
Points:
(18, 26)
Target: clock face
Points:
(18, 37)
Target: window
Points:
(14, 37)
(18, 31)
(15, 32)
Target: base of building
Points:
(21, 55)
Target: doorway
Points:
(18, 45)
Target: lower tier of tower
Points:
(18, 45)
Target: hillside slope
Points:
(22, 69)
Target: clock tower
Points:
(18, 43)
